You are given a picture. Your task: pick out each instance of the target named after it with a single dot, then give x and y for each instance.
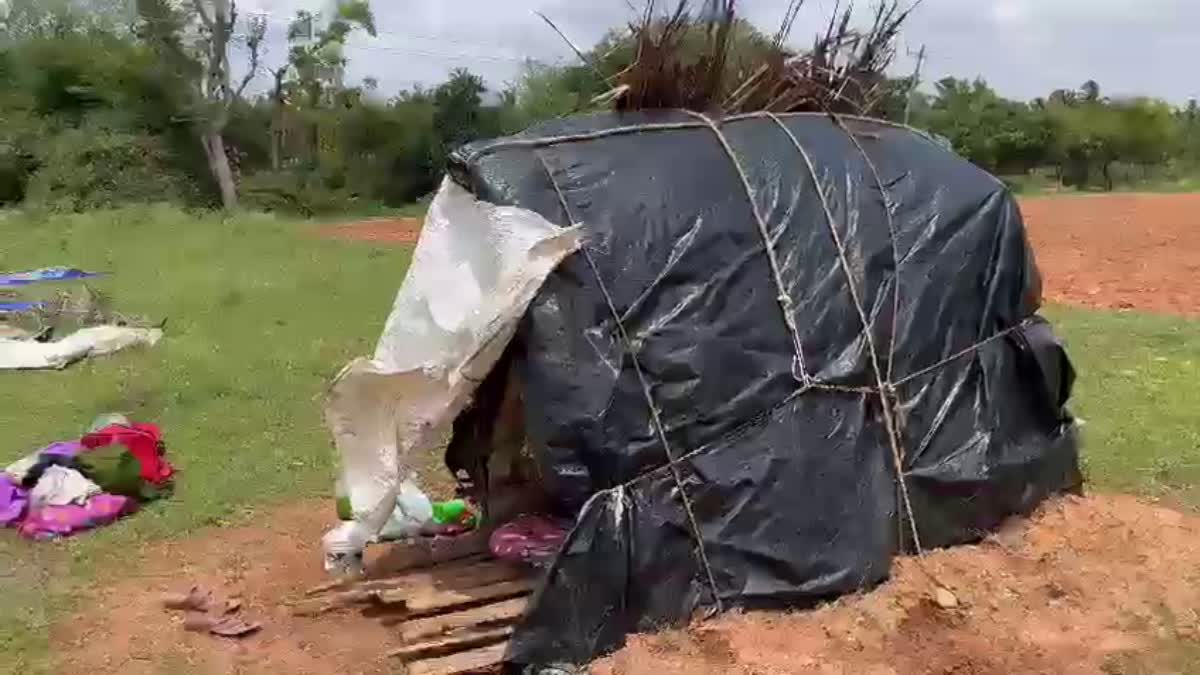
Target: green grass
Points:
(1139, 397)
(260, 314)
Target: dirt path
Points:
(1119, 251)
(1098, 585)
(379, 230)
(1082, 584)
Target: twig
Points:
(580, 54)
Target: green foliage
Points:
(459, 114)
(99, 165)
(81, 96)
(299, 192)
(544, 92)
(1080, 133)
(998, 134)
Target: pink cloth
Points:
(534, 540)
(13, 501)
(51, 522)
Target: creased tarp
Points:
(784, 458)
(473, 274)
(84, 343)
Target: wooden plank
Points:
(455, 644)
(416, 555)
(473, 661)
(394, 590)
(432, 601)
(504, 613)
(424, 553)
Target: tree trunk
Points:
(218, 163)
(276, 142)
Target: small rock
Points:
(945, 599)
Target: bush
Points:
(97, 166)
(295, 193)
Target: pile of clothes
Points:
(74, 486)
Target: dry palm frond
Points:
(844, 71)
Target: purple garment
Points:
(13, 501)
(52, 522)
(66, 449)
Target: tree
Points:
(312, 75)
(994, 132)
(460, 116)
(195, 41)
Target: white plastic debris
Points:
(84, 343)
(413, 513)
(474, 272)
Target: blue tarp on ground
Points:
(15, 307)
(43, 275)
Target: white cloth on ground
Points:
(60, 486)
(94, 341)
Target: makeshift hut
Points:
(760, 355)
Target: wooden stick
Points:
(418, 554)
(446, 601)
(444, 646)
(465, 662)
(495, 615)
(458, 576)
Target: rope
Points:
(882, 386)
(957, 355)
(785, 300)
(626, 130)
(655, 418)
(891, 225)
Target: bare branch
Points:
(254, 41)
(205, 19)
(580, 54)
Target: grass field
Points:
(261, 316)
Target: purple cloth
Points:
(13, 501)
(534, 539)
(67, 449)
(52, 522)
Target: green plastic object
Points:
(345, 510)
(106, 420)
(455, 512)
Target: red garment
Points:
(144, 442)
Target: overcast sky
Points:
(1024, 48)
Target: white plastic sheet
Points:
(475, 271)
(84, 343)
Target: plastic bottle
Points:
(413, 512)
(345, 511)
(343, 547)
(455, 512)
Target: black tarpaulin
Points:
(784, 336)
